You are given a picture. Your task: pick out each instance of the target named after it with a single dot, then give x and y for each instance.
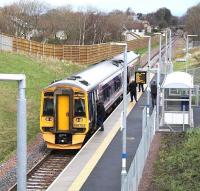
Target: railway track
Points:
(46, 171)
(163, 52)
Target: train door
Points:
(64, 110)
(63, 113)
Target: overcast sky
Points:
(177, 7)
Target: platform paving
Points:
(106, 176)
(76, 173)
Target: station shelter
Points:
(176, 98)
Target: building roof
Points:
(98, 73)
(178, 80)
(135, 25)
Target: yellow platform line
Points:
(80, 180)
(82, 177)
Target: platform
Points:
(107, 173)
(97, 166)
(89, 166)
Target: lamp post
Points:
(148, 74)
(170, 50)
(158, 80)
(187, 47)
(21, 128)
(124, 154)
(166, 48)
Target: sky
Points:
(177, 7)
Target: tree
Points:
(21, 17)
(193, 20)
(162, 18)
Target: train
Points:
(68, 112)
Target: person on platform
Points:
(141, 87)
(153, 93)
(101, 115)
(133, 90)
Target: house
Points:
(61, 35)
(32, 33)
(137, 28)
(130, 35)
(147, 26)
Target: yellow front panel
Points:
(63, 113)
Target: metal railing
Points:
(194, 44)
(136, 169)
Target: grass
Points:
(38, 75)
(179, 66)
(193, 62)
(193, 65)
(178, 166)
(142, 51)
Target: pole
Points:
(148, 76)
(1, 42)
(21, 138)
(186, 58)
(166, 48)
(124, 154)
(170, 50)
(21, 128)
(183, 117)
(158, 81)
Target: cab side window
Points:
(79, 108)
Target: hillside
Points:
(193, 65)
(39, 73)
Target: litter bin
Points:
(185, 103)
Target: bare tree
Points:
(193, 20)
(85, 26)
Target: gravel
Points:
(36, 150)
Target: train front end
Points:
(64, 117)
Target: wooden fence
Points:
(81, 54)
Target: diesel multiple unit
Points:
(68, 113)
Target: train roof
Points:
(94, 75)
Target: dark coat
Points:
(101, 114)
(132, 87)
(153, 90)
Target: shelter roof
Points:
(178, 80)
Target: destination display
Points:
(140, 77)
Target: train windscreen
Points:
(48, 107)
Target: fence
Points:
(196, 91)
(82, 54)
(194, 44)
(135, 172)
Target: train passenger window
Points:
(132, 73)
(106, 92)
(79, 108)
(117, 83)
(48, 107)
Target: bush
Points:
(178, 165)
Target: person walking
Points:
(133, 90)
(101, 115)
(153, 93)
